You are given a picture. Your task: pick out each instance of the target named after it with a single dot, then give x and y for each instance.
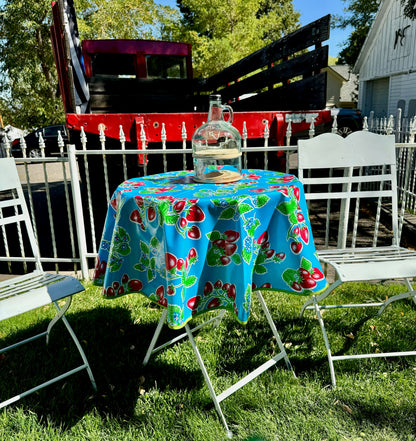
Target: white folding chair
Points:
(35, 289)
(346, 173)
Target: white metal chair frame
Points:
(24, 293)
(358, 151)
(217, 399)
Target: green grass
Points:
(168, 400)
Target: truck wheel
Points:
(344, 131)
(34, 153)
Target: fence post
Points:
(79, 213)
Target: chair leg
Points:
(409, 294)
(325, 335)
(155, 337)
(309, 304)
(208, 380)
(275, 333)
(81, 352)
(60, 316)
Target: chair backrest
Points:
(16, 228)
(347, 183)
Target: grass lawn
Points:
(168, 399)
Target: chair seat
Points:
(33, 290)
(378, 263)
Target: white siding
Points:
(388, 53)
(402, 88)
(375, 97)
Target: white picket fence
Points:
(68, 214)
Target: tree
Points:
(28, 86)
(224, 31)
(409, 8)
(130, 19)
(360, 16)
(28, 80)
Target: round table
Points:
(194, 247)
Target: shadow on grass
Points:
(115, 347)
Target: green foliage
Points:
(29, 95)
(409, 8)
(121, 19)
(223, 32)
(360, 16)
(28, 88)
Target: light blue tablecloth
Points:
(195, 247)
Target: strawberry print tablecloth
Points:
(194, 247)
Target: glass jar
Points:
(216, 146)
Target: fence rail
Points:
(68, 195)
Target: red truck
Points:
(141, 84)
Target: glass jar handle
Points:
(230, 111)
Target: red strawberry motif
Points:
(110, 291)
(231, 236)
(266, 285)
(218, 284)
(308, 283)
(214, 303)
(102, 267)
(296, 192)
(160, 292)
(225, 260)
(135, 216)
(304, 234)
(163, 302)
(296, 247)
(170, 290)
(220, 243)
(183, 222)
(269, 253)
(114, 203)
(208, 288)
(231, 292)
(135, 285)
(195, 214)
(151, 213)
(317, 274)
(125, 278)
(139, 201)
(194, 232)
(180, 263)
(170, 261)
(179, 206)
(192, 253)
(300, 217)
(193, 302)
(296, 286)
(304, 273)
(120, 291)
(230, 249)
(263, 238)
